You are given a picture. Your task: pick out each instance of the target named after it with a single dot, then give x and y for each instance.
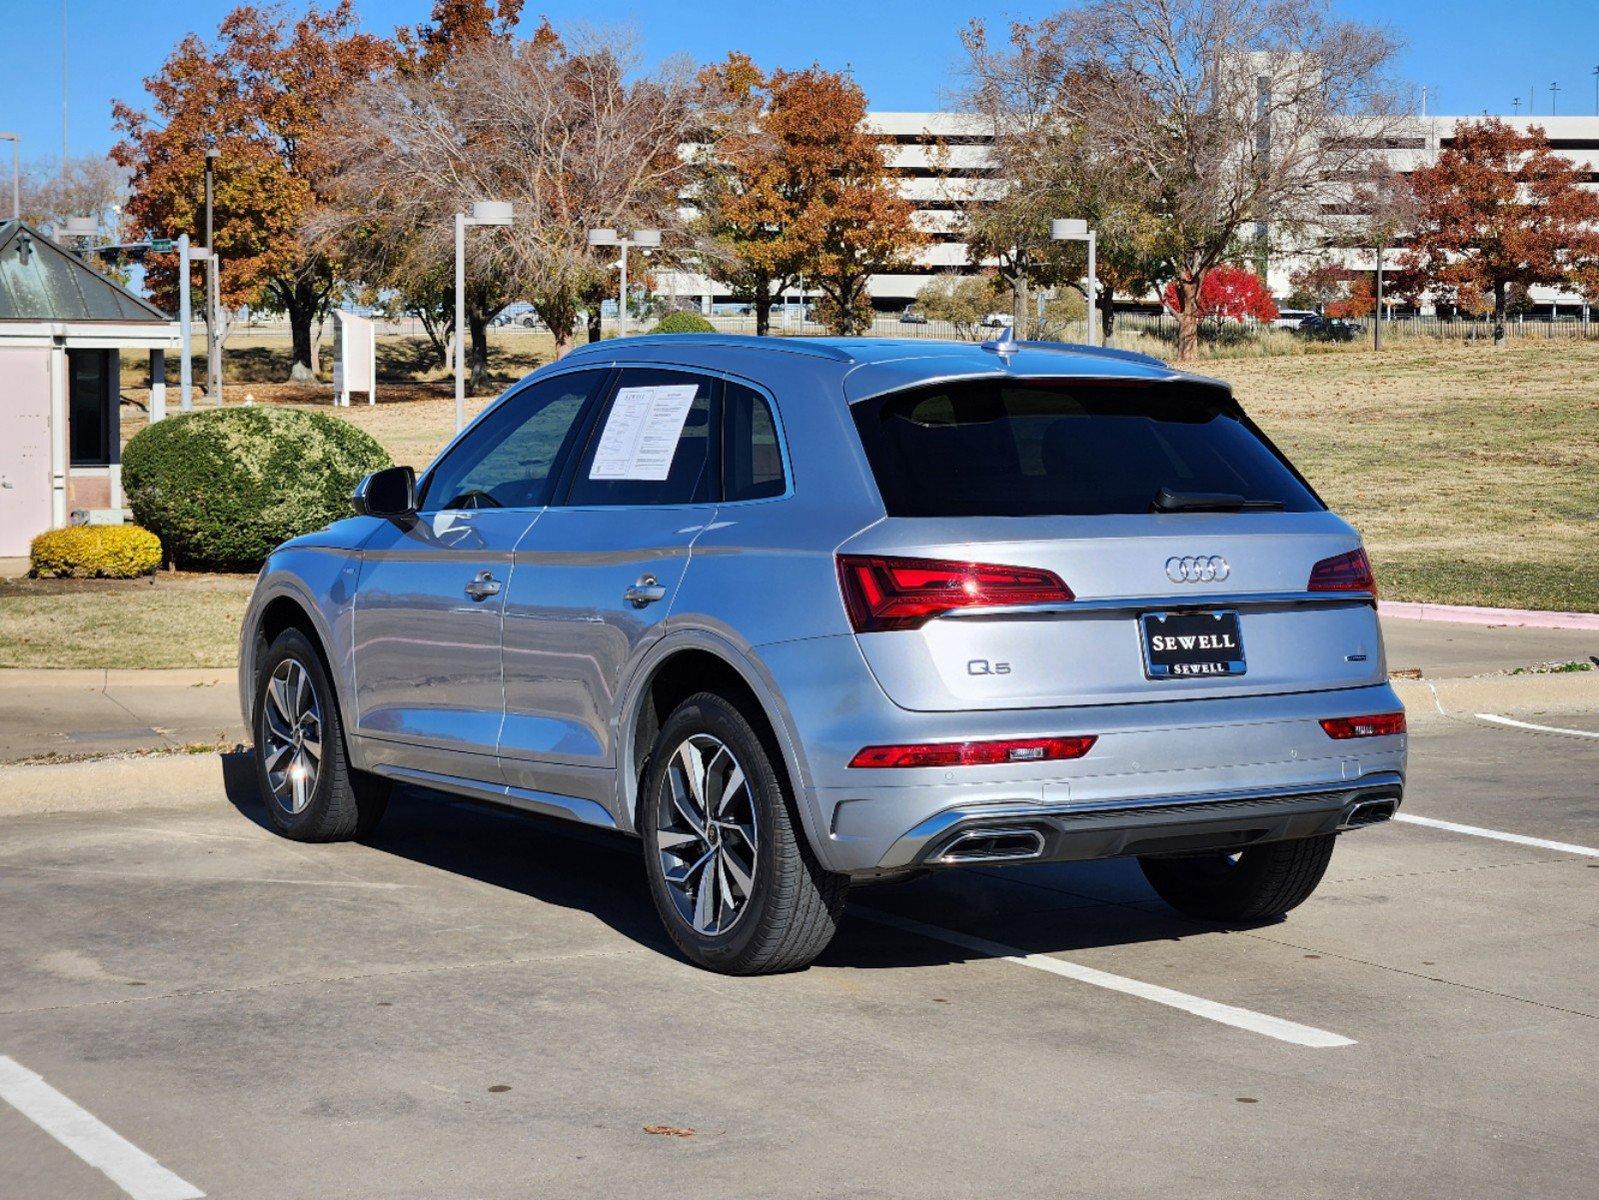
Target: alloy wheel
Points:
(706, 834)
(292, 733)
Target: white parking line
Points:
(1515, 724)
(96, 1143)
(1519, 839)
(1226, 1014)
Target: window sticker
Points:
(642, 431)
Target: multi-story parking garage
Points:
(942, 163)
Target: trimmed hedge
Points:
(683, 321)
(223, 488)
(95, 552)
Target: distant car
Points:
(1290, 318)
(998, 320)
(913, 316)
(1327, 329)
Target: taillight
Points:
(974, 754)
(1377, 725)
(1343, 573)
(905, 593)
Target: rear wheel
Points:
(730, 871)
(311, 792)
(1252, 885)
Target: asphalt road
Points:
(476, 1005)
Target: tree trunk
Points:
(1107, 315)
(593, 315)
(478, 359)
(1187, 319)
(763, 311)
(301, 303)
(1499, 313)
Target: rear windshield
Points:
(1007, 449)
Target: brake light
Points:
(1377, 725)
(881, 594)
(1343, 573)
(974, 754)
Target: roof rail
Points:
(742, 341)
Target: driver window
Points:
(507, 459)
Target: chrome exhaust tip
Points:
(992, 845)
(1369, 812)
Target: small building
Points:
(63, 326)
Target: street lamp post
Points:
(213, 347)
(1077, 230)
(16, 174)
(484, 212)
(644, 239)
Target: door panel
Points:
(24, 449)
(595, 579)
(427, 654)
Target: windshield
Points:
(1045, 448)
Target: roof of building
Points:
(40, 281)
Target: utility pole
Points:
(185, 337)
(1554, 88)
(213, 345)
(1596, 91)
(1516, 104)
(16, 185)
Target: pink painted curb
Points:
(1465, 614)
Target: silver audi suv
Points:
(802, 614)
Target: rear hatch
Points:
(1072, 542)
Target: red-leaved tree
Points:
(1500, 209)
(1227, 292)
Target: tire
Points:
(337, 803)
(774, 914)
(1256, 885)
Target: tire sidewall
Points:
(712, 715)
(294, 644)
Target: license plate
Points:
(1192, 645)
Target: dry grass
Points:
(1472, 472)
(166, 620)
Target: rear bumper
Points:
(1168, 825)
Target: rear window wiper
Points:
(1167, 500)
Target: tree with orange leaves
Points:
(1500, 209)
(260, 97)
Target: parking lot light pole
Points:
(1071, 229)
(16, 174)
(484, 212)
(644, 239)
(213, 292)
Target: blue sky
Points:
(1471, 54)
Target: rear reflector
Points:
(882, 594)
(1343, 573)
(974, 754)
(1379, 725)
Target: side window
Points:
(752, 460)
(507, 459)
(651, 445)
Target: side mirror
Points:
(390, 492)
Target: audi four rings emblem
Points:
(1203, 568)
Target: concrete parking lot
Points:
(478, 1005)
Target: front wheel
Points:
(1251, 885)
(311, 792)
(730, 872)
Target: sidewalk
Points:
(45, 714)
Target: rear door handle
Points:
(646, 591)
(484, 586)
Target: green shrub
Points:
(683, 321)
(95, 552)
(222, 488)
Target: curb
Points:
(1465, 614)
(1577, 692)
(114, 784)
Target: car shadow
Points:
(1040, 909)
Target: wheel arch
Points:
(284, 608)
(697, 660)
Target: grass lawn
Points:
(167, 620)
(1472, 472)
